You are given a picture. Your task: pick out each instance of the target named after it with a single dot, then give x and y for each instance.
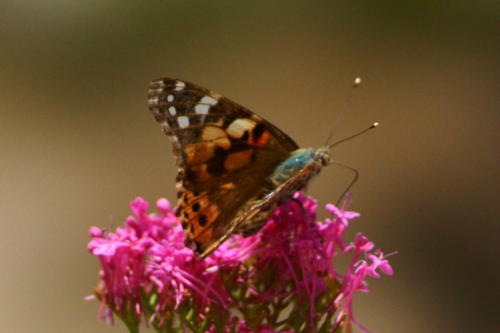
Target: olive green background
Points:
(78, 143)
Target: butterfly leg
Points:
(351, 184)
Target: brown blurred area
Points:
(78, 143)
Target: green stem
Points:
(132, 328)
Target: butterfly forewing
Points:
(224, 152)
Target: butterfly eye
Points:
(325, 158)
(196, 207)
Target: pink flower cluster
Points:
(282, 279)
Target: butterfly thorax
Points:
(299, 160)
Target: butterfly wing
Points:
(224, 153)
(255, 213)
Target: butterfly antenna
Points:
(356, 83)
(356, 172)
(375, 124)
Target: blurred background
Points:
(78, 143)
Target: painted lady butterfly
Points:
(234, 166)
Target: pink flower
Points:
(247, 285)
(343, 215)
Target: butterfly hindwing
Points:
(224, 152)
(255, 212)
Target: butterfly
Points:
(234, 167)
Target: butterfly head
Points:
(322, 155)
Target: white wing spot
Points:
(238, 127)
(204, 105)
(183, 121)
(172, 110)
(170, 98)
(201, 108)
(208, 100)
(179, 85)
(158, 82)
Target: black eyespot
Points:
(196, 207)
(202, 220)
(257, 131)
(186, 215)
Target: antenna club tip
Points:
(357, 82)
(375, 124)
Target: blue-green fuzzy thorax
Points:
(291, 166)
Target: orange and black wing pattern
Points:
(224, 154)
